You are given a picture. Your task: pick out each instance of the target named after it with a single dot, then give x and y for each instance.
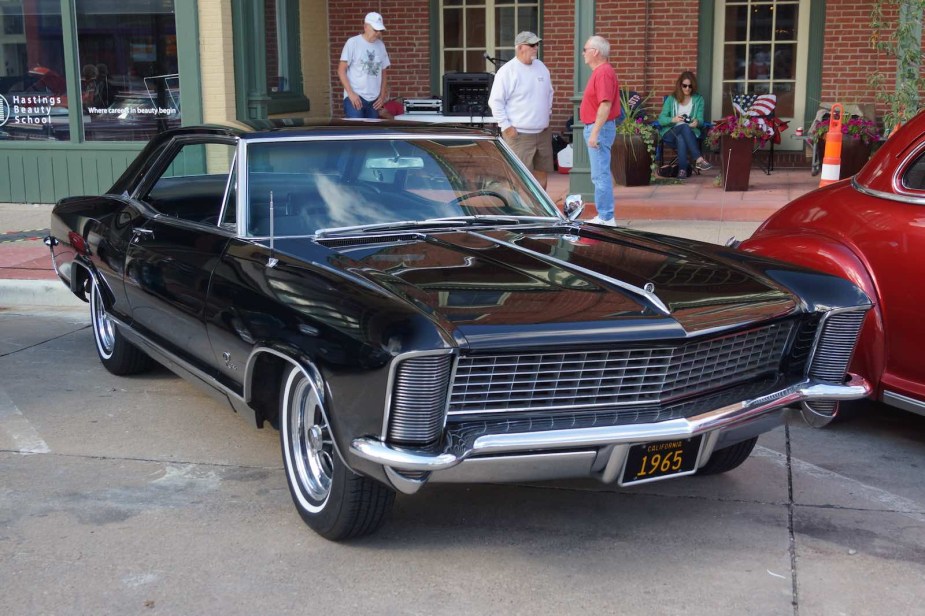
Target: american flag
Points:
(758, 107)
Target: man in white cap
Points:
(521, 102)
(362, 67)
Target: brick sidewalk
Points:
(697, 198)
(23, 256)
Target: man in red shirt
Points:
(600, 105)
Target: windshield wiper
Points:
(451, 221)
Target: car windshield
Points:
(370, 183)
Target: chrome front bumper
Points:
(712, 423)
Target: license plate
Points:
(659, 460)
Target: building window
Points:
(268, 70)
(473, 28)
(34, 103)
(129, 78)
(759, 51)
(284, 69)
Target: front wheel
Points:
(336, 502)
(728, 458)
(117, 354)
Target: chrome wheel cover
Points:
(310, 440)
(104, 327)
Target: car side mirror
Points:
(574, 206)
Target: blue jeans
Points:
(599, 158)
(366, 111)
(681, 137)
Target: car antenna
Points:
(272, 261)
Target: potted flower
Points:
(633, 160)
(858, 138)
(738, 136)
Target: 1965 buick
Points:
(407, 306)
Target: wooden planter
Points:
(736, 159)
(854, 155)
(630, 162)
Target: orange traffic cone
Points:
(831, 161)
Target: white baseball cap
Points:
(375, 20)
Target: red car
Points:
(870, 229)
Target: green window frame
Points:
(467, 29)
(255, 100)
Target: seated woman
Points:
(681, 120)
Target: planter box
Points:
(736, 159)
(630, 162)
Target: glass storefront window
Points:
(473, 28)
(759, 51)
(127, 51)
(33, 90)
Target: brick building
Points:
(85, 82)
(806, 52)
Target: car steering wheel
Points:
(478, 193)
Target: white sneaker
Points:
(597, 220)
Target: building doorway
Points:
(760, 48)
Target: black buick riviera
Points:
(407, 306)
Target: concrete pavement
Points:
(144, 495)
(696, 208)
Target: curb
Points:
(17, 293)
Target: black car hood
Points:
(493, 285)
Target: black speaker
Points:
(466, 94)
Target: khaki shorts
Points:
(535, 150)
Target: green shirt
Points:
(670, 110)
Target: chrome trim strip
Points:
(182, 363)
(904, 402)
(232, 175)
(886, 195)
(395, 132)
(651, 297)
(410, 460)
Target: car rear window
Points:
(914, 177)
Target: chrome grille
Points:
(829, 362)
(617, 376)
(419, 399)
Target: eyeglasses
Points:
(532, 44)
(587, 49)
(686, 85)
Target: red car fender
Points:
(832, 257)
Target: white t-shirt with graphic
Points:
(365, 63)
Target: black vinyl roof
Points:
(290, 127)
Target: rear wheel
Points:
(728, 458)
(117, 354)
(336, 502)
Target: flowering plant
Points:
(855, 127)
(736, 126)
(634, 123)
